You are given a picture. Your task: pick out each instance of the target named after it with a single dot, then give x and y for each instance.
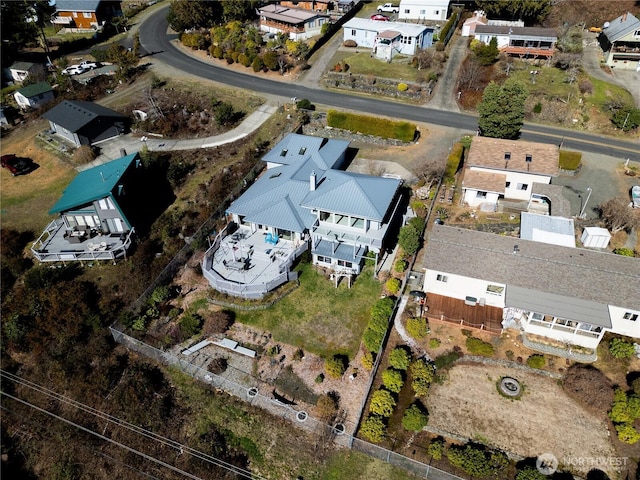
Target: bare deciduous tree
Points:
(470, 75)
(618, 216)
(424, 59)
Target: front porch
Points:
(250, 264)
(58, 243)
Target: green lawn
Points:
(550, 82)
(318, 317)
(363, 64)
(603, 92)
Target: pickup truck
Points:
(388, 7)
(87, 65)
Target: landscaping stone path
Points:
(406, 338)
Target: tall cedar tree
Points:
(502, 109)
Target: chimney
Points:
(624, 17)
(312, 181)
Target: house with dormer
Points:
(558, 296)
(93, 214)
(498, 169)
(303, 201)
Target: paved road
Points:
(156, 41)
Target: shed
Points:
(595, 237)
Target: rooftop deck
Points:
(59, 244)
(245, 264)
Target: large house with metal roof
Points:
(388, 39)
(498, 169)
(558, 296)
(85, 123)
(423, 10)
(85, 14)
(296, 23)
(303, 201)
(92, 222)
(620, 39)
(34, 96)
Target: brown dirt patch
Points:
(543, 420)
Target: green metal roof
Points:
(93, 184)
(35, 89)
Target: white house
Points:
(480, 18)
(496, 168)
(531, 42)
(423, 10)
(556, 295)
(621, 41)
(388, 39)
(34, 96)
(296, 23)
(19, 71)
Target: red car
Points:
(16, 165)
(380, 17)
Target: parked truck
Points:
(389, 8)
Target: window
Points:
(537, 316)
(436, 12)
(324, 259)
(442, 278)
(630, 316)
(342, 263)
(522, 186)
(106, 204)
(353, 33)
(325, 216)
(507, 156)
(423, 12)
(86, 14)
(507, 185)
(407, 11)
(481, 194)
(528, 158)
(75, 14)
(636, 33)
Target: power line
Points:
(122, 423)
(103, 437)
(93, 450)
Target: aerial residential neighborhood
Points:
(320, 239)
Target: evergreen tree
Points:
(502, 109)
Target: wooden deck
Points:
(456, 311)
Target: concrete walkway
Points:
(112, 149)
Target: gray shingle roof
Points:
(517, 32)
(77, 5)
(74, 114)
(573, 273)
(622, 25)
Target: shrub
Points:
(477, 460)
(530, 473)
(218, 365)
(393, 285)
(436, 448)
(381, 127)
(414, 418)
(367, 360)
(326, 406)
(422, 374)
(224, 113)
(392, 380)
(417, 328)
(160, 294)
(434, 342)
(140, 324)
(510, 355)
(453, 163)
(382, 403)
(446, 359)
(319, 378)
(402, 87)
(400, 266)
(334, 366)
(536, 361)
(409, 239)
(373, 428)
(635, 386)
(570, 160)
(478, 347)
(273, 350)
(190, 324)
(217, 322)
(298, 354)
(537, 108)
(625, 252)
(270, 60)
(305, 104)
(399, 358)
(84, 154)
(244, 60)
(372, 339)
(627, 433)
(350, 43)
(620, 348)
(257, 64)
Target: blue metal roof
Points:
(354, 194)
(296, 148)
(93, 184)
(77, 5)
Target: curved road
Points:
(155, 40)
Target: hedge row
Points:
(378, 324)
(379, 127)
(453, 163)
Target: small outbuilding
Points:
(595, 237)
